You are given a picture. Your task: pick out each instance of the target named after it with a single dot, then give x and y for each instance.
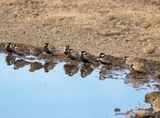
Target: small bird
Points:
(104, 59)
(86, 69)
(71, 68)
(10, 47)
(18, 50)
(66, 49)
(35, 66)
(49, 66)
(34, 50)
(87, 57)
(20, 63)
(45, 52)
(71, 53)
(49, 49)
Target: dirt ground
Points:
(116, 27)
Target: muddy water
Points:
(55, 94)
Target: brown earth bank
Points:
(116, 27)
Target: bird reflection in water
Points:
(20, 63)
(71, 68)
(86, 69)
(103, 71)
(86, 66)
(35, 66)
(10, 59)
(49, 65)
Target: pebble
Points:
(139, 67)
(149, 49)
(136, 64)
(150, 97)
(156, 105)
(142, 113)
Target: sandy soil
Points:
(116, 27)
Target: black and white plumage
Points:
(18, 50)
(87, 57)
(104, 59)
(66, 49)
(10, 47)
(71, 53)
(49, 49)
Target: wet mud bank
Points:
(137, 66)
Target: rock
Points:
(146, 25)
(150, 97)
(136, 64)
(110, 32)
(139, 67)
(149, 49)
(131, 60)
(142, 113)
(156, 105)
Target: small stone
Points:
(142, 113)
(110, 32)
(156, 105)
(149, 49)
(146, 25)
(112, 18)
(136, 64)
(139, 67)
(150, 97)
(130, 60)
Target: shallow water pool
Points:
(54, 94)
